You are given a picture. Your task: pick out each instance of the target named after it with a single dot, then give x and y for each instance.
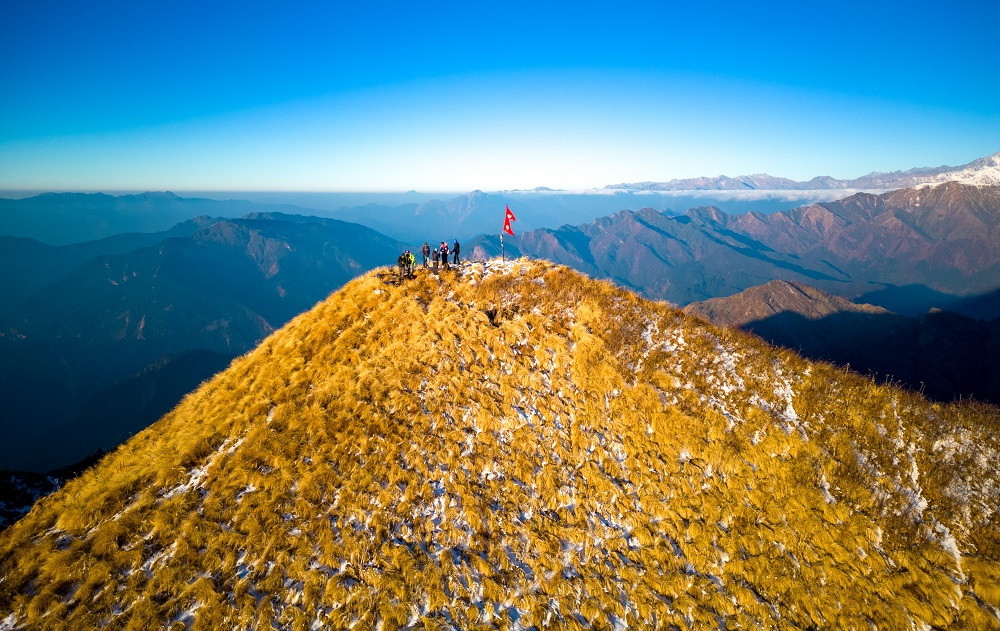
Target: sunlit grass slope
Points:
(518, 447)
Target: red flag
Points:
(509, 217)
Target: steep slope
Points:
(945, 355)
(220, 289)
(517, 446)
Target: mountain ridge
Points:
(62, 219)
(983, 171)
(946, 238)
(774, 297)
(513, 445)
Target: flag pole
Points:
(507, 218)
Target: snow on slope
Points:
(980, 172)
(984, 172)
(558, 453)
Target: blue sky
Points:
(385, 96)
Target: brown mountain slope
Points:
(950, 227)
(945, 355)
(775, 297)
(516, 446)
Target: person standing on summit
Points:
(426, 252)
(444, 254)
(401, 263)
(455, 250)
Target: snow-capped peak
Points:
(982, 172)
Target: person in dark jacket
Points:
(454, 249)
(401, 263)
(426, 251)
(444, 254)
(434, 260)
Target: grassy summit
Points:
(517, 446)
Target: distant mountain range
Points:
(30, 265)
(64, 218)
(945, 355)
(103, 350)
(72, 218)
(981, 172)
(944, 238)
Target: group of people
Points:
(439, 255)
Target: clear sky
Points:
(386, 96)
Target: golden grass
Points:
(530, 446)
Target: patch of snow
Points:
(947, 541)
(249, 489)
(784, 392)
(186, 616)
(824, 488)
(195, 478)
(154, 559)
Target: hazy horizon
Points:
(458, 97)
